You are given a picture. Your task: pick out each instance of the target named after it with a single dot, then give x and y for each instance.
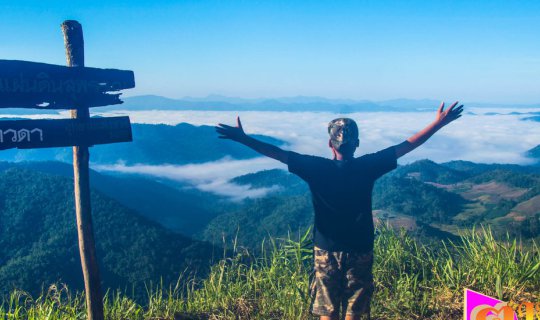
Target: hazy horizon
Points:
(219, 97)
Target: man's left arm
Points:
(443, 118)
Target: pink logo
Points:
(481, 307)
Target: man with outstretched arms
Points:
(341, 190)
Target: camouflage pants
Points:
(342, 280)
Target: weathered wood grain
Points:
(29, 134)
(74, 44)
(25, 84)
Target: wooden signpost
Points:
(26, 84)
(30, 134)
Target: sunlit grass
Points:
(413, 281)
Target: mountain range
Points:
(291, 104)
(299, 103)
(38, 239)
(148, 228)
(429, 199)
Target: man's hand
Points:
(443, 118)
(451, 114)
(234, 133)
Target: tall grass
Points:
(413, 281)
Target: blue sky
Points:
(468, 50)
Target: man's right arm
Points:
(443, 118)
(237, 134)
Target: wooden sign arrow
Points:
(26, 134)
(25, 84)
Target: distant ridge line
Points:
(298, 104)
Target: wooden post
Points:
(74, 43)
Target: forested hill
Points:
(135, 217)
(38, 238)
(152, 144)
(427, 198)
(180, 208)
(534, 153)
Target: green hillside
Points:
(38, 238)
(436, 200)
(180, 208)
(535, 154)
(290, 210)
(472, 168)
(427, 170)
(273, 216)
(290, 184)
(37, 230)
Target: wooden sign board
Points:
(26, 134)
(25, 84)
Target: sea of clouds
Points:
(482, 135)
(479, 136)
(211, 177)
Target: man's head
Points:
(343, 136)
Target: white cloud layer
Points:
(210, 177)
(479, 137)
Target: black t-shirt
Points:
(341, 193)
